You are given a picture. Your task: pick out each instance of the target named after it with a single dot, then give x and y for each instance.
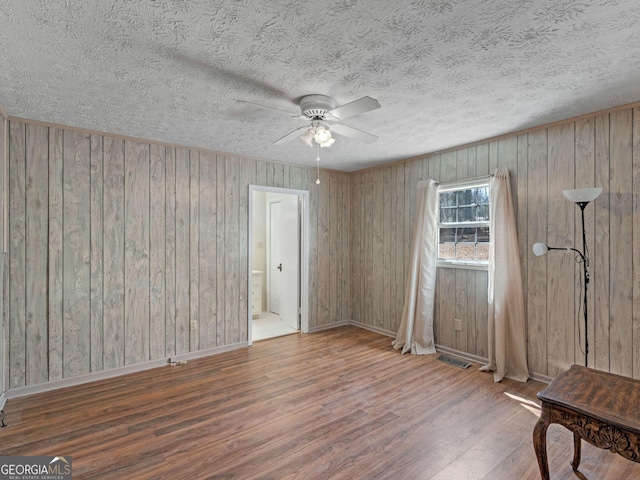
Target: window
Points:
(463, 224)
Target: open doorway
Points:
(278, 262)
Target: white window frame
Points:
(463, 185)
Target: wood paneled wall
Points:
(602, 150)
(384, 205)
(118, 246)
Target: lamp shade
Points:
(582, 194)
(540, 249)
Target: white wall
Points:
(260, 239)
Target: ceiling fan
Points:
(324, 115)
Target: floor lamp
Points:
(581, 197)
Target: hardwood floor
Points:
(330, 405)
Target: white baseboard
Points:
(206, 353)
(451, 351)
(439, 348)
(540, 378)
(483, 361)
(371, 328)
(116, 372)
(464, 355)
(329, 326)
(81, 379)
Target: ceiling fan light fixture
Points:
(327, 143)
(322, 135)
(307, 138)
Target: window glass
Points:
(482, 213)
(447, 199)
(466, 214)
(482, 251)
(463, 227)
(465, 197)
(448, 215)
(447, 235)
(483, 235)
(466, 235)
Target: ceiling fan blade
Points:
(236, 80)
(282, 112)
(291, 136)
(362, 105)
(347, 131)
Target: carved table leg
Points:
(540, 444)
(576, 452)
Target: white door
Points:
(275, 259)
(285, 259)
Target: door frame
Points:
(303, 196)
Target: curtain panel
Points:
(415, 334)
(507, 323)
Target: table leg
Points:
(540, 444)
(576, 452)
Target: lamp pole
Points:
(581, 197)
(585, 269)
(541, 249)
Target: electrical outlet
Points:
(194, 325)
(458, 324)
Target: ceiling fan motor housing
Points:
(316, 106)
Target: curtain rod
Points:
(465, 180)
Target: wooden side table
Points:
(598, 407)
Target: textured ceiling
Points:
(446, 72)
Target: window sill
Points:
(462, 265)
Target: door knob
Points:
(279, 267)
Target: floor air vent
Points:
(456, 362)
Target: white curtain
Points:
(416, 327)
(507, 325)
